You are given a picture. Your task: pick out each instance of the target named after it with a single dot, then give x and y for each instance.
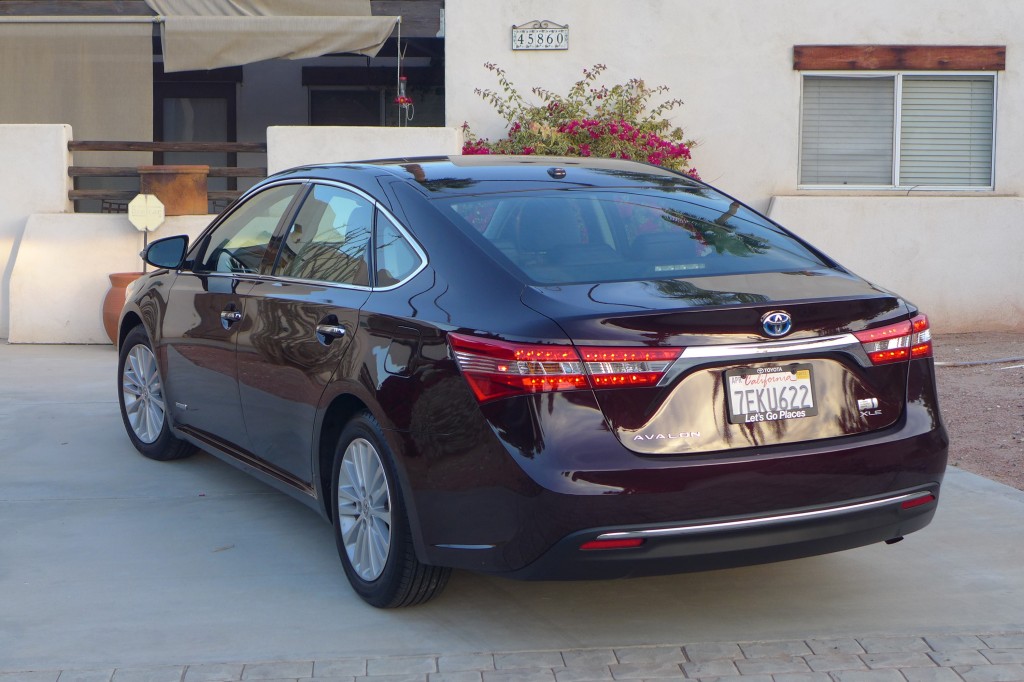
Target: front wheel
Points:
(143, 404)
(371, 526)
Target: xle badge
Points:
(868, 407)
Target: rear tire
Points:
(371, 527)
(143, 402)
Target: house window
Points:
(899, 116)
(896, 129)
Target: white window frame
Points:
(897, 122)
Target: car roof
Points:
(446, 175)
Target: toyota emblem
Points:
(776, 323)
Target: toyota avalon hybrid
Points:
(536, 367)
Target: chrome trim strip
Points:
(769, 347)
(761, 521)
(253, 276)
(693, 356)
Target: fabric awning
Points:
(98, 77)
(209, 34)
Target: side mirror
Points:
(168, 252)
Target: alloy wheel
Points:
(364, 509)
(143, 394)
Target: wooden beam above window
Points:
(899, 57)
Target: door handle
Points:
(334, 331)
(229, 317)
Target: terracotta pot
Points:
(114, 301)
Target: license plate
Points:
(770, 393)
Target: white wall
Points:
(732, 63)
(60, 278)
(33, 179)
(965, 273)
(290, 146)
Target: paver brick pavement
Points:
(996, 657)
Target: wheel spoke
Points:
(133, 360)
(377, 549)
(351, 535)
(131, 384)
(155, 419)
(347, 498)
(382, 515)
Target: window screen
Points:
(851, 135)
(329, 240)
(946, 132)
(847, 131)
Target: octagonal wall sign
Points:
(146, 212)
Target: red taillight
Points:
(624, 543)
(495, 369)
(613, 367)
(921, 341)
(897, 342)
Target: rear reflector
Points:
(918, 501)
(624, 543)
(897, 342)
(495, 369)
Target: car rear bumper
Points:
(729, 542)
(522, 507)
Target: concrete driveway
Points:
(108, 559)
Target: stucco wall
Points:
(33, 179)
(60, 277)
(957, 254)
(732, 63)
(289, 146)
(965, 271)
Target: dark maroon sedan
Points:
(542, 368)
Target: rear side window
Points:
(329, 240)
(396, 259)
(579, 236)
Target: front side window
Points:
(329, 240)
(238, 244)
(897, 130)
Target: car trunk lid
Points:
(733, 385)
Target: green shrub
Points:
(591, 120)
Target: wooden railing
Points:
(115, 200)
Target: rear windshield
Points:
(606, 235)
